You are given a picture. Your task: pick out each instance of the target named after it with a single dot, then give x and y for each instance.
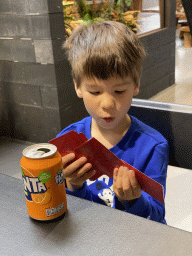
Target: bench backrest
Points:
(174, 122)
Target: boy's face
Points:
(107, 101)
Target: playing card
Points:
(68, 142)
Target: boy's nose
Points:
(108, 103)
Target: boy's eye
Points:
(95, 93)
(119, 92)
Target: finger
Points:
(86, 176)
(127, 189)
(136, 188)
(119, 178)
(67, 158)
(73, 167)
(117, 184)
(82, 171)
(80, 180)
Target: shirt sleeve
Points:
(156, 168)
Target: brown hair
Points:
(104, 49)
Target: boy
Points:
(106, 60)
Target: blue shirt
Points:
(142, 147)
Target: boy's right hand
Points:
(77, 172)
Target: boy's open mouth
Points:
(109, 119)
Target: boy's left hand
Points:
(125, 184)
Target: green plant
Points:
(90, 12)
(79, 12)
(71, 16)
(122, 4)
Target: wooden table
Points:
(86, 229)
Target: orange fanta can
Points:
(44, 188)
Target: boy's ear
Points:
(136, 90)
(78, 90)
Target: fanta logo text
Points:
(33, 185)
(59, 178)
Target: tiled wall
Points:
(37, 98)
(35, 83)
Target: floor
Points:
(178, 199)
(181, 91)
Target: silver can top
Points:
(39, 151)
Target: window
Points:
(140, 15)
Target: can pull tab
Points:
(45, 150)
(41, 152)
